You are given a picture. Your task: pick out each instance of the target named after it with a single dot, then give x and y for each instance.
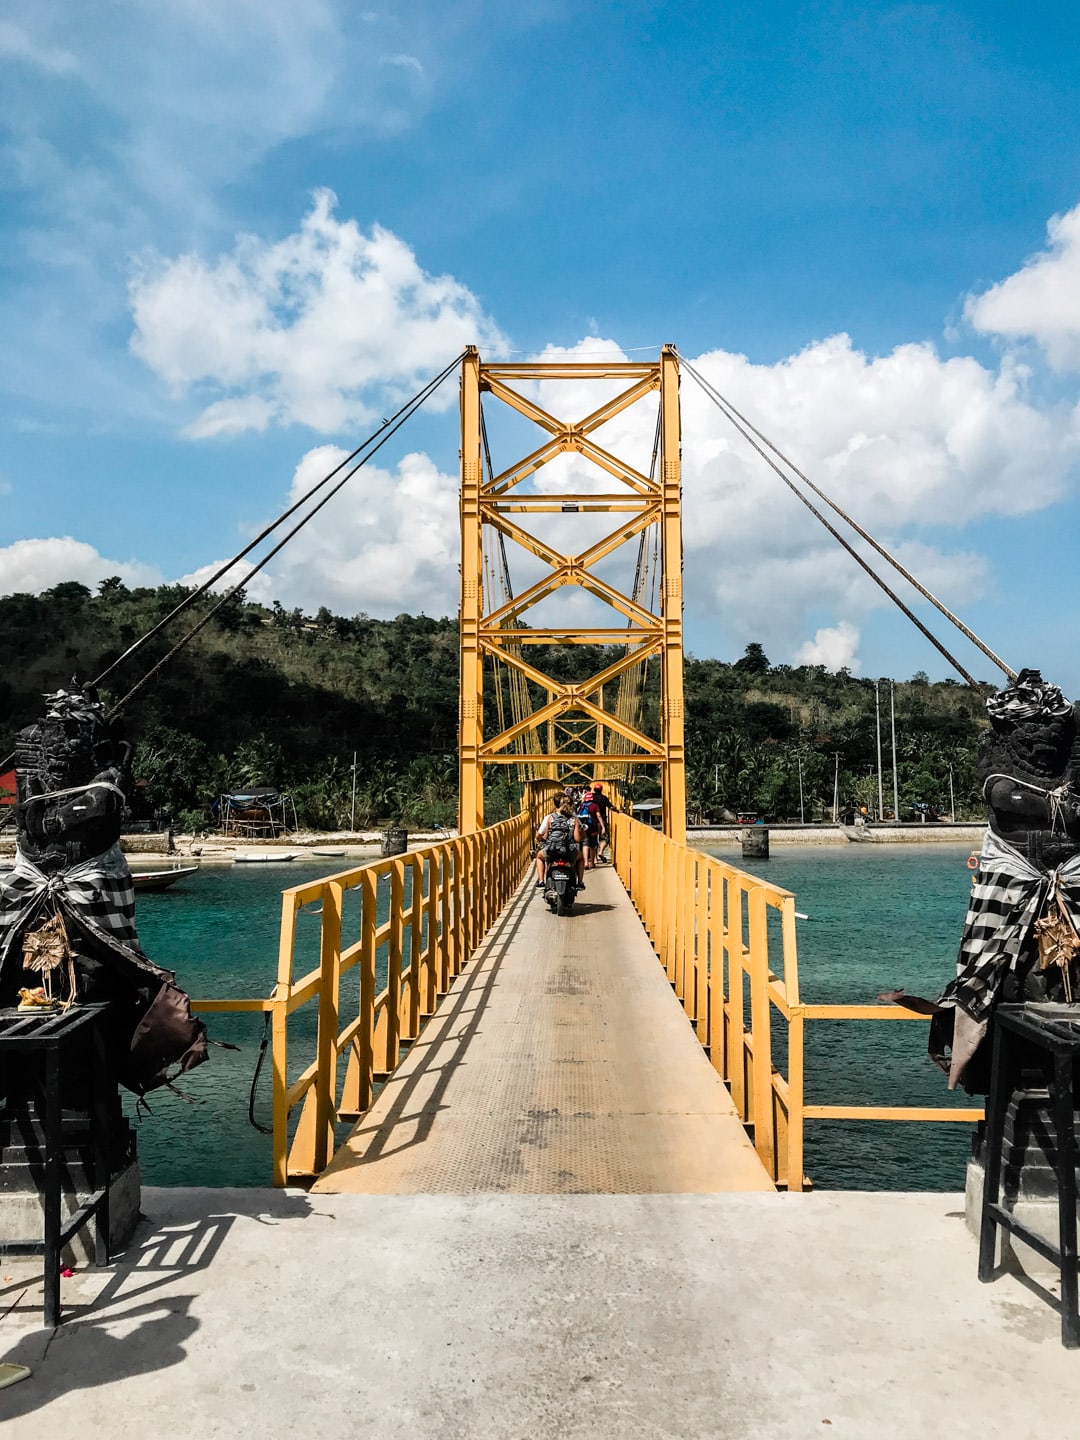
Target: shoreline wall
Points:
(930, 834)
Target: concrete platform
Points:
(492, 1317)
(560, 1063)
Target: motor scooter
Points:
(561, 884)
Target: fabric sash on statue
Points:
(97, 894)
(97, 900)
(1008, 896)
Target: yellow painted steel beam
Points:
(618, 403)
(582, 687)
(471, 714)
(491, 749)
(890, 1112)
(654, 758)
(648, 514)
(570, 504)
(671, 673)
(524, 406)
(628, 635)
(571, 574)
(593, 421)
(571, 370)
(579, 730)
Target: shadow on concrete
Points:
(124, 1329)
(466, 1001)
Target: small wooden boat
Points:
(262, 857)
(325, 854)
(160, 879)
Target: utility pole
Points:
(352, 817)
(895, 782)
(836, 787)
(952, 799)
(877, 711)
(802, 806)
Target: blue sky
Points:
(234, 232)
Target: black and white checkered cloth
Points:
(97, 895)
(1008, 896)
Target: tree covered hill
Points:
(273, 696)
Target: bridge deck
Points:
(559, 1063)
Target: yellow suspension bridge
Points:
(526, 1169)
(636, 1048)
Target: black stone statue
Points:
(1021, 939)
(67, 909)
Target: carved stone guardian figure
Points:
(67, 908)
(1021, 939)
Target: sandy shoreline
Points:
(146, 852)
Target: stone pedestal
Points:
(22, 1160)
(1029, 1183)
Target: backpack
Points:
(560, 834)
(586, 817)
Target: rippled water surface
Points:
(880, 917)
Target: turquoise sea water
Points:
(880, 917)
(219, 931)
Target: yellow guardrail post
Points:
(279, 1042)
(365, 1037)
(761, 1028)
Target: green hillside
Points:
(266, 695)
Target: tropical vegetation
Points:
(357, 717)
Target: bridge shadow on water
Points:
(127, 1318)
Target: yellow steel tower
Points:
(559, 729)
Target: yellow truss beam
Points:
(572, 713)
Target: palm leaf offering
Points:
(45, 951)
(1059, 943)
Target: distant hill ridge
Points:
(265, 694)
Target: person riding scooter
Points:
(559, 832)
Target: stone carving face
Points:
(1030, 768)
(71, 747)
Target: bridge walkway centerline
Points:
(560, 1062)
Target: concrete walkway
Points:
(560, 1063)
(540, 1317)
(549, 1315)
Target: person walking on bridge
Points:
(593, 828)
(603, 805)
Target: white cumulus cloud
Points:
(913, 445)
(1041, 301)
(386, 543)
(258, 587)
(833, 646)
(316, 329)
(30, 566)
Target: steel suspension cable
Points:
(404, 414)
(224, 569)
(858, 530)
(744, 431)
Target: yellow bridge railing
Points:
(709, 924)
(392, 935)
